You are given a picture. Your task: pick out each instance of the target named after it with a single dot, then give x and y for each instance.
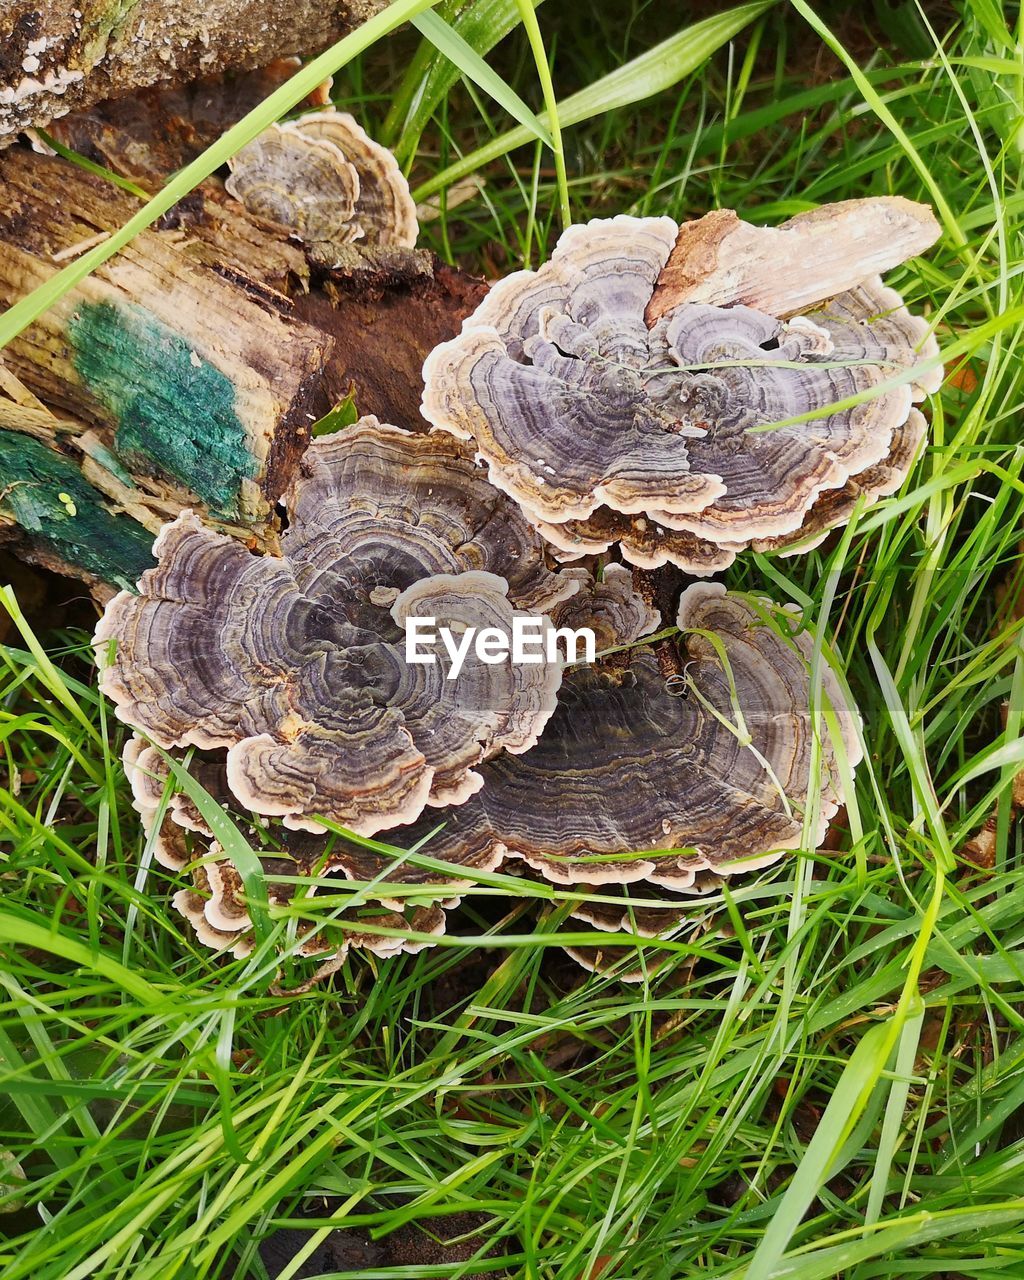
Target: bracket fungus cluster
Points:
(666, 786)
(677, 420)
(610, 400)
(325, 178)
(215, 903)
(675, 781)
(294, 664)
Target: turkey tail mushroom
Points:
(624, 395)
(215, 906)
(385, 211)
(215, 903)
(299, 182)
(676, 783)
(325, 178)
(658, 786)
(295, 664)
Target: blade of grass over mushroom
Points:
(231, 840)
(969, 344)
(447, 40)
(657, 69)
(280, 101)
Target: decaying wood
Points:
(147, 136)
(174, 376)
(56, 55)
(197, 378)
(385, 308)
(188, 370)
(720, 260)
(385, 321)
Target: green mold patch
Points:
(175, 413)
(65, 516)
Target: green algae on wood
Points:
(191, 371)
(174, 411)
(65, 519)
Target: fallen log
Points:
(57, 55)
(189, 369)
(385, 309)
(179, 370)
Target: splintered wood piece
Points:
(387, 305)
(720, 260)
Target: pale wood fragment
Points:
(721, 260)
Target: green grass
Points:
(825, 1076)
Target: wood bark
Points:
(57, 55)
(174, 368)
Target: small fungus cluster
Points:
(325, 179)
(652, 395)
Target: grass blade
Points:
(429, 78)
(659, 68)
(462, 55)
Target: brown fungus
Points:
(298, 181)
(385, 211)
(783, 270)
(610, 607)
(215, 905)
(607, 429)
(640, 785)
(148, 774)
(670, 781)
(325, 178)
(295, 663)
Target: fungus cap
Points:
(673, 781)
(322, 176)
(385, 211)
(683, 434)
(295, 664)
(298, 181)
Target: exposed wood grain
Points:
(721, 260)
(176, 375)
